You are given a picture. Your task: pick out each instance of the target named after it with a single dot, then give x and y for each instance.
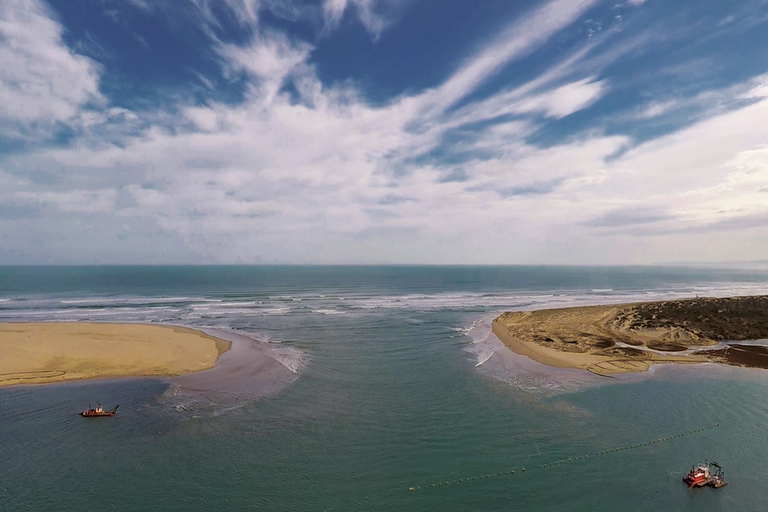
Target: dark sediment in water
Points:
(752, 356)
(665, 347)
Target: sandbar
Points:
(622, 338)
(43, 353)
(251, 369)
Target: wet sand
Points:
(532, 378)
(42, 353)
(248, 369)
(622, 338)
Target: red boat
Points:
(701, 476)
(98, 412)
(697, 477)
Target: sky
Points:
(577, 132)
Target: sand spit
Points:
(608, 340)
(247, 370)
(42, 353)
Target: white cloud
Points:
(739, 194)
(268, 59)
(564, 100)
(322, 175)
(333, 10)
(330, 165)
(371, 20)
(79, 201)
(657, 108)
(369, 13)
(517, 40)
(703, 175)
(42, 81)
(247, 11)
(759, 91)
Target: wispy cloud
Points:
(42, 81)
(517, 40)
(375, 15)
(333, 10)
(624, 217)
(303, 170)
(267, 59)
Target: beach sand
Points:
(38, 353)
(621, 338)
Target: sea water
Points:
(399, 384)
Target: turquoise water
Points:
(391, 392)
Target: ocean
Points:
(398, 384)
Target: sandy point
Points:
(41, 353)
(622, 338)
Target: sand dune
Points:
(621, 338)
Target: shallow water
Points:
(398, 385)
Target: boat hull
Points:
(98, 412)
(86, 414)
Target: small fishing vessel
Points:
(98, 412)
(702, 475)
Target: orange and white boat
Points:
(98, 412)
(702, 475)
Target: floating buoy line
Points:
(510, 472)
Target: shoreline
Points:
(604, 366)
(36, 353)
(250, 369)
(615, 339)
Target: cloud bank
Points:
(483, 167)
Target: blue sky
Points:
(383, 131)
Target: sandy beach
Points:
(621, 338)
(39, 353)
